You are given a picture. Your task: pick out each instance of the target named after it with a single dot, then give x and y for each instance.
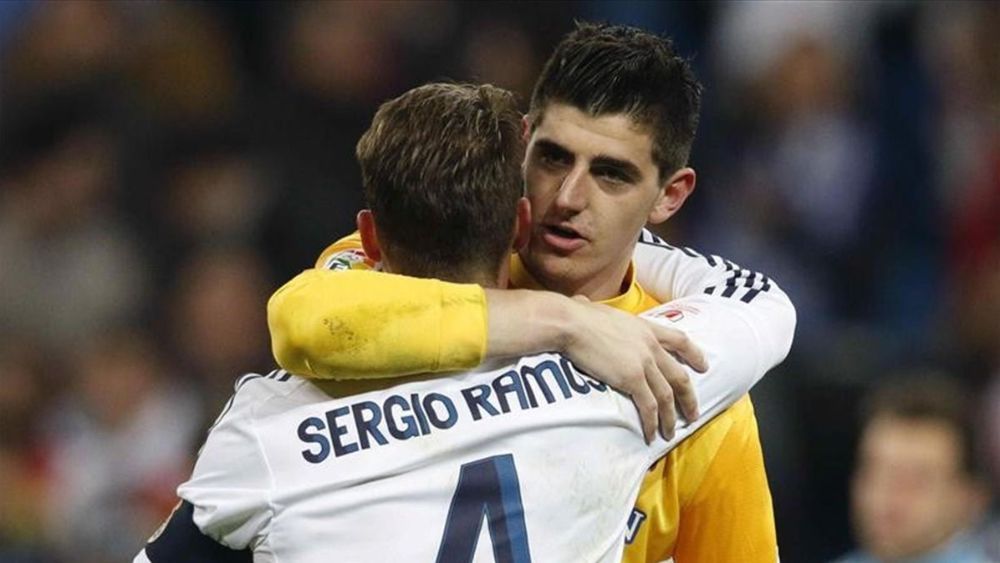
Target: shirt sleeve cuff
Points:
(462, 325)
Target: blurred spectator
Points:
(217, 320)
(69, 266)
(184, 67)
(214, 196)
(919, 491)
(334, 62)
(61, 44)
(120, 443)
(799, 177)
(23, 454)
(961, 49)
(992, 446)
(515, 67)
(751, 37)
(211, 190)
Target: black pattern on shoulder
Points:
(743, 284)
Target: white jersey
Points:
(529, 461)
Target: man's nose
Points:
(574, 191)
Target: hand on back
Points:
(639, 358)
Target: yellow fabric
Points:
(734, 492)
(706, 501)
(450, 319)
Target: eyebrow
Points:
(552, 147)
(626, 167)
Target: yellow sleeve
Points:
(727, 514)
(349, 323)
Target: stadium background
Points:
(165, 166)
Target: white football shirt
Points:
(527, 461)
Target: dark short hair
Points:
(929, 398)
(441, 168)
(605, 69)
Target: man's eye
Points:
(552, 159)
(613, 176)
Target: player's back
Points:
(528, 461)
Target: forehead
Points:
(615, 135)
(924, 442)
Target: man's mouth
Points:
(562, 238)
(563, 231)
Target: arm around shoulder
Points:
(364, 324)
(671, 273)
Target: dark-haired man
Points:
(409, 470)
(611, 124)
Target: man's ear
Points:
(525, 128)
(522, 227)
(676, 190)
(369, 236)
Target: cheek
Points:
(541, 192)
(947, 505)
(624, 218)
(868, 499)
(538, 207)
(910, 511)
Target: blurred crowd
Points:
(164, 166)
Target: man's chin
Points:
(893, 549)
(547, 266)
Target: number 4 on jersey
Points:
(486, 488)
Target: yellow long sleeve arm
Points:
(356, 324)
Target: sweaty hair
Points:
(929, 398)
(441, 168)
(603, 69)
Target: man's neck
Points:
(604, 286)
(481, 276)
(610, 287)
